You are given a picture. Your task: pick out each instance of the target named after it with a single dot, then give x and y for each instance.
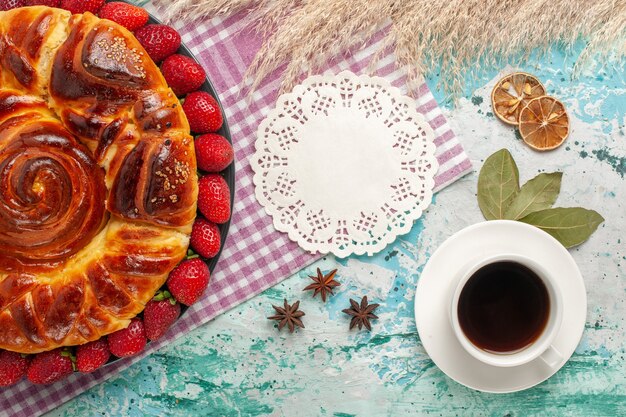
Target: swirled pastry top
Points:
(98, 184)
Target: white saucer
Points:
(438, 281)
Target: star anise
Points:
(323, 284)
(289, 315)
(361, 314)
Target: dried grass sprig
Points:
(454, 37)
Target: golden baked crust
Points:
(98, 184)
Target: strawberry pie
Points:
(98, 183)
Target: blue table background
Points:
(240, 365)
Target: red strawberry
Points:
(206, 239)
(214, 198)
(203, 112)
(11, 4)
(13, 367)
(183, 74)
(188, 280)
(213, 152)
(160, 41)
(160, 313)
(129, 341)
(92, 355)
(51, 366)
(49, 3)
(130, 16)
(82, 6)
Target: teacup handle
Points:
(551, 357)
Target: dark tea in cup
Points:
(503, 307)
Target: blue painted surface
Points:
(240, 365)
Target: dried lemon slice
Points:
(544, 123)
(512, 93)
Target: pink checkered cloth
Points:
(255, 256)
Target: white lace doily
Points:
(344, 164)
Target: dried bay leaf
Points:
(498, 184)
(500, 197)
(570, 226)
(540, 193)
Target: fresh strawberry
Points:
(92, 355)
(214, 198)
(82, 6)
(129, 341)
(49, 3)
(213, 152)
(183, 74)
(13, 367)
(206, 239)
(51, 366)
(188, 280)
(203, 112)
(11, 4)
(160, 41)
(130, 16)
(160, 313)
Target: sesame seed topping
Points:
(182, 171)
(118, 51)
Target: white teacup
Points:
(542, 347)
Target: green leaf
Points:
(570, 226)
(540, 193)
(498, 184)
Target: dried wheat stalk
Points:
(453, 36)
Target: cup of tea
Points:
(506, 311)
